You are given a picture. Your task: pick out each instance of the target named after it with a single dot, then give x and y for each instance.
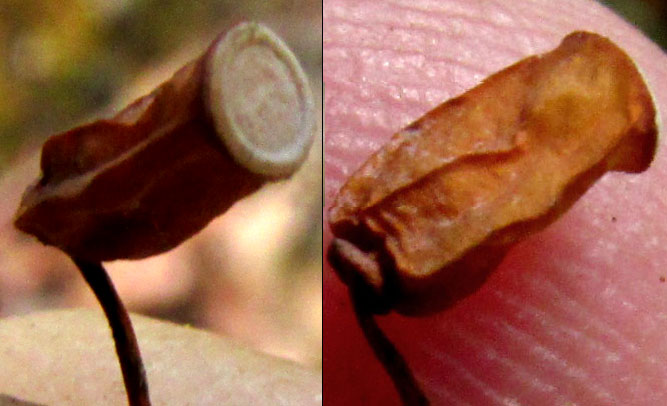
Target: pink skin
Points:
(576, 314)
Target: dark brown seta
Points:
(365, 304)
(143, 181)
(425, 220)
(127, 348)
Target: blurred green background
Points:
(61, 60)
(649, 15)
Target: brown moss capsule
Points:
(141, 182)
(425, 219)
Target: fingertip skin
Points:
(440, 204)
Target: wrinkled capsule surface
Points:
(143, 181)
(428, 216)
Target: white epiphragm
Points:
(260, 101)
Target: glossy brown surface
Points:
(139, 183)
(430, 214)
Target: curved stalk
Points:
(385, 351)
(127, 349)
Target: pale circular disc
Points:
(260, 101)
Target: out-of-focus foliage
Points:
(649, 15)
(61, 60)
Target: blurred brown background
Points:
(253, 274)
